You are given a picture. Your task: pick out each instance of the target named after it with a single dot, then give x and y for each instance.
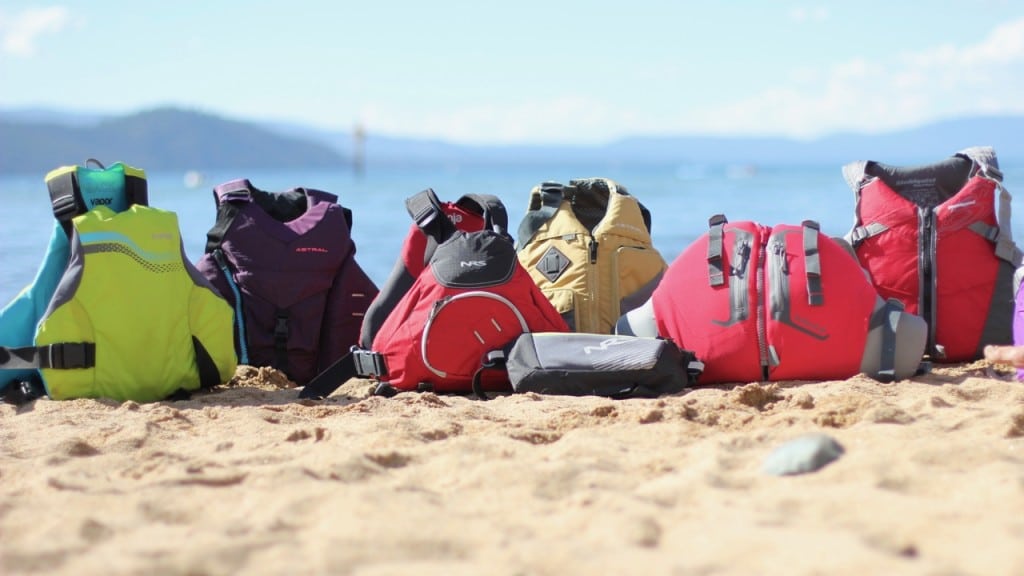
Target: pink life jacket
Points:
(777, 303)
(932, 237)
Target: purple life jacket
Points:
(285, 261)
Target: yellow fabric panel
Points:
(626, 261)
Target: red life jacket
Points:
(932, 237)
(471, 300)
(771, 303)
(470, 213)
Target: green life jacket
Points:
(131, 319)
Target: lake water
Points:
(680, 198)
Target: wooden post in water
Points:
(358, 149)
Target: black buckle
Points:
(71, 355)
(65, 207)
(281, 328)
(369, 363)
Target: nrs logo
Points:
(604, 345)
(100, 201)
(472, 263)
(455, 218)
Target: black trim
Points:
(209, 375)
(543, 205)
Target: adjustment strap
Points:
(862, 233)
(544, 202)
(716, 234)
(812, 263)
(357, 362)
(60, 356)
(888, 317)
(425, 210)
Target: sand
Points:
(248, 480)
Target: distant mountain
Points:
(160, 139)
(175, 139)
(923, 144)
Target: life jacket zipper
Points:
(222, 262)
(762, 331)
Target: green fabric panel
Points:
(135, 300)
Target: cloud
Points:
(20, 32)
(563, 119)
(907, 90)
(813, 14)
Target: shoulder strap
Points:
(65, 197)
(429, 217)
(357, 362)
(812, 263)
(716, 234)
(544, 202)
(230, 197)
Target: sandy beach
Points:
(247, 480)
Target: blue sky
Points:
(525, 71)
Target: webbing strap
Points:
(862, 233)
(65, 199)
(888, 317)
(426, 212)
(812, 263)
(226, 213)
(357, 362)
(61, 356)
(493, 360)
(544, 202)
(716, 234)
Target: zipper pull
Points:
(593, 251)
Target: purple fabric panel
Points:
(292, 267)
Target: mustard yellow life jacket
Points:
(588, 247)
(131, 318)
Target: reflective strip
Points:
(436, 311)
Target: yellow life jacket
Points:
(588, 247)
(131, 319)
